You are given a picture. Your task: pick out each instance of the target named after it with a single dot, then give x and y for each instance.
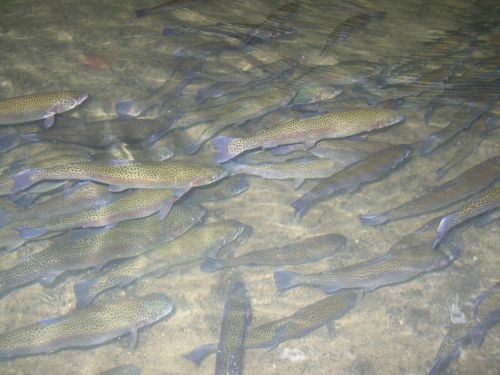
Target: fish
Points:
(40, 106)
(78, 197)
(351, 177)
(235, 321)
(399, 264)
(160, 151)
(250, 108)
(122, 370)
(308, 131)
(311, 249)
(276, 155)
(167, 6)
(472, 181)
(486, 310)
(105, 133)
(226, 188)
(129, 205)
(343, 73)
(349, 26)
(184, 252)
(347, 151)
(84, 248)
(486, 201)
(123, 174)
(296, 169)
(304, 321)
(87, 327)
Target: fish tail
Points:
(441, 230)
(5, 216)
(427, 144)
(284, 280)
(372, 219)
(441, 172)
(24, 179)
(8, 141)
(192, 148)
(26, 232)
(211, 265)
(141, 12)
(82, 293)
(124, 108)
(221, 144)
(301, 206)
(200, 353)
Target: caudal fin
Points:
(200, 353)
(82, 293)
(372, 219)
(8, 141)
(24, 179)
(221, 145)
(300, 206)
(211, 265)
(284, 280)
(192, 148)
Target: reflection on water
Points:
(338, 126)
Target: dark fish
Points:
(167, 6)
(351, 177)
(486, 311)
(41, 106)
(87, 327)
(304, 321)
(311, 249)
(347, 151)
(486, 201)
(237, 315)
(468, 183)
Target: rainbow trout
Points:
(486, 201)
(347, 151)
(308, 131)
(87, 327)
(42, 106)
(296, 169)
(223, 189)
(129, 205)
(167, 6)
(366, 170)
(122, 370)
(468, 183)
(312, 249)
(185, 252)
(123, 174)
(486, 311)
(237, 315)
(105, 133)
(83, 249)
(302, 322)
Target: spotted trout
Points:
(123, 174)
(87, 327)
(351, 177)
(309, 250)
(302, 322)
(42, 106)
(468, 183)
(308, 131)
(184, 252)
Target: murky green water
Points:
(103, 49)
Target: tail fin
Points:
(200, 353)
(284, 280)
(300, 206)
(24, 179)
(26, 232)
(221, 145)
(192, 148)
(5, 217)
(126, 109)
(211, 265)
(372, 219)
(8, 141)
(82, 294)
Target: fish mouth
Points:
(84, 96)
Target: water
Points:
(101, 48)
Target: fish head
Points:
(69, 100)
(156, 306)
(387, 118)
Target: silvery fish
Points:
(275, 155)
(296, 169)
(129, 205)
(122, 370)
(184, 252)
(87, 327)
(223, 189)
(396, 266)
(235, 321)
(351, 177)
(468, 183)
(302, 322)
(486, 201)
(42, 106)
(347, 151)
(86, 248)
(309, 250)
(308, 130)
(104, 133)
(123, 174)
(122, 151)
